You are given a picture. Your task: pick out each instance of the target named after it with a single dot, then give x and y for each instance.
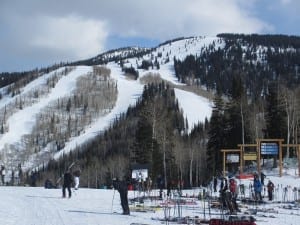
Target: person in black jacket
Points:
(122, 187)
(68, 180)
(215, 181)
(262, 178)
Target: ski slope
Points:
(21, 122)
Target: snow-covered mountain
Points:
(36, 101)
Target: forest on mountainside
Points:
(258, 60)
(256, 80)
(149, 133)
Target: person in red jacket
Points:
(234, 192)
(233, 187)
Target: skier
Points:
(215, 183)
(223, 185)
(68, 180)
(270, 187)
(234, 193)
(33, 178)
(48, 184)
(3, 175)
(223, 190)
(257, 188)
(149, 184)
(122, 188)
(262, 178)
(76, 178)
(169, 188)
(160, 185)
(233, 187)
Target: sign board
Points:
(269, 148)
(232, 158)
(140, 174)
(250, 157)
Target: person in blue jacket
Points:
(257, 188)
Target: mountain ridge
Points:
(176, 62)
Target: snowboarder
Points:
(122, 188)
(68, 180)
(270, 187)
(257, 188)
(76, 178)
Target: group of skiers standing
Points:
(229, 194)
(120, 185)
(258, 185)
(229, 191)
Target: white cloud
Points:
(285, 1)
(60, 30)
(214, 16)
(71, 35)
(172, 18)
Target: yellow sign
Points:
(250, 156)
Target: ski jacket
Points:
(68, 179)
(76, 173)
(257, 185)
(121, 186)
(224, 185)
(232, 186)
(270, 186)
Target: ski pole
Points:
(112, 202)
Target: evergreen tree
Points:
(216, 138)
(236, 114)
(275, 116)
(143, 143)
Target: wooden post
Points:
(299, 160)
(224, 162)
(241, 159)
(258, 155)
(280, 159)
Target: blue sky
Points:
(37, 33)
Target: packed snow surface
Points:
(37, 205)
